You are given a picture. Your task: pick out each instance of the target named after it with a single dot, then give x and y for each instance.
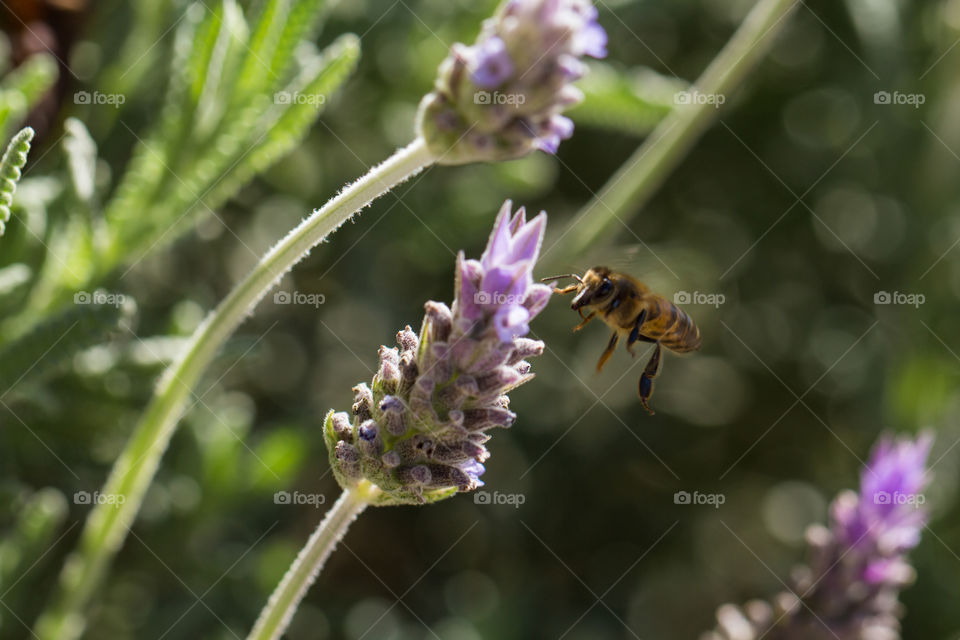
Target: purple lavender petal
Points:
(499, 243)
(525, 244)
(538, 295)
(518, 221)
(592, 41)
(511, 322)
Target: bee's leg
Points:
(565, 290)
(646, 380)
(585, 321)
(614, 339)
(635, 334)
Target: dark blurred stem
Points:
(283, 603)
(108, 523)
(632, 186)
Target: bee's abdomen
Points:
(671, 327)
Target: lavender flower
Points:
(857, 567)
(418, 431)
(502, 97)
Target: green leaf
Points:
(81, 152)
(256, 73)
(14, 158)
(22, 88)
(289, 123)
(300, 23)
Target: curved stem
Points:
(276, 616)
(107, 525)
(629, 189)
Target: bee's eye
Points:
(604, 288)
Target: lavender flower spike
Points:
(418, 431)
(503, 97)
(857, 566)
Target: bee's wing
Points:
(664, 268)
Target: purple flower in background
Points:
(858, 565)
(418, 431)
(491, 65)
(502, 97)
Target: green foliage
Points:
(631, 101)
(14, 159)
(52, 344)
(220, 124)
(36, 521)
(22, 88)
(81, 152)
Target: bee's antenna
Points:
(566, 275)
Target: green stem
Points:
(629, 189)
(107, 525)
(278, 613)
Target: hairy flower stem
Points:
(276, 615)
(629, 189)
(107, 525)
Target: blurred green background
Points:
(805, 200)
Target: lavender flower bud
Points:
(392, 410)
(857, 566)
(363, 400)
(525, 348)
(342, 427)
(440, 320)
(501, 98)
(407, 340)
(417, 431)
(349, 459)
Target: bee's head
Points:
(596, 287)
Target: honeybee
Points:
(627, 306)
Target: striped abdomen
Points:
(669, 325)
